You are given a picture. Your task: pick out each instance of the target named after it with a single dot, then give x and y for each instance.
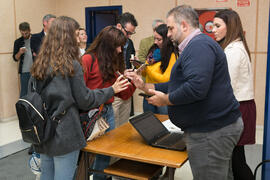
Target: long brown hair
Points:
(58, 50)
(104, 47)
(234, 28)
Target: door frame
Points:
(90, 18)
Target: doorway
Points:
(96, 18)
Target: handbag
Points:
(93, 124)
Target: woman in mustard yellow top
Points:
(161, 58)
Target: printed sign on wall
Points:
(243, 3)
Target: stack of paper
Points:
(171, 127)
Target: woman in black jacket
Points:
(66, 93)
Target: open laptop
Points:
(156, 134)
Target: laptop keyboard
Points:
(169, 141)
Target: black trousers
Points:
(240, 168)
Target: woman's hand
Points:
(136, 78)
(120, 84)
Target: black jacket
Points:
(18, 43)
(36, 41)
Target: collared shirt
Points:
(184, 43)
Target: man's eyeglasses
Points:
(127, 32)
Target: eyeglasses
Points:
(128, 32)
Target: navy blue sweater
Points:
(200, 88)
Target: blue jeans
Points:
(59, 167)
(24, 83)
(154, 109)
(102, 161)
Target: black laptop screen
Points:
(148, 126)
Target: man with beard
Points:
(199, 96)
(22, 53)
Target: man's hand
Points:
(22, 50)
(158, 98)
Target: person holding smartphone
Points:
(22, 54)
(199, 97)
(103, 62)
(158, 70)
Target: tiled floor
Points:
(10, 137)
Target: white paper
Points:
(171, 127)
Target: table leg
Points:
(91, 157)
(86, 162)
(171, 173)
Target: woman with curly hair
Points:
(66, 93)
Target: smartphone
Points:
(119, 74)
(145, 95)
(136, 63)
(142, 67)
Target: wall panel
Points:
(260, 80)
(33, 11)
(263, 19)
(9, 90)
(7, 29)
(145, 12)
(77, 10)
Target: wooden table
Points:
(124, 142)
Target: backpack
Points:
(35, 124)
